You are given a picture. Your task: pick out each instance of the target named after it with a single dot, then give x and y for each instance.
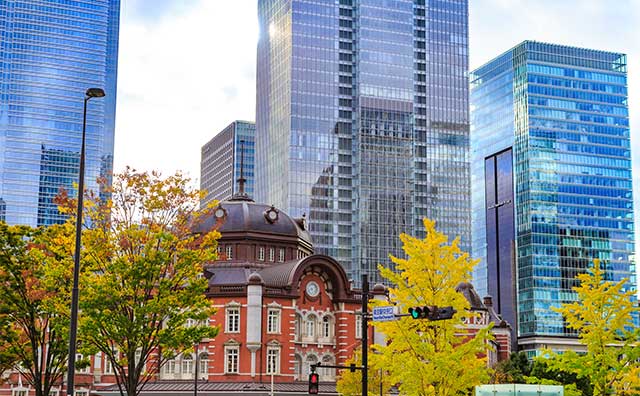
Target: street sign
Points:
(383, 314)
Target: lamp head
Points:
(95, 93)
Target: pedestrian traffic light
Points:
(431, 312)
(314, 379)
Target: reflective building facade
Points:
(362, 121)
(50, 53)
(551, 177)
(221, 159)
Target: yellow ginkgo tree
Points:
(425, 357)
(603, 316)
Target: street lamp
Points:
(73, 327)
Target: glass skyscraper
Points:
(50, 53)
(551, 180)
(221, 159)
(362, 121)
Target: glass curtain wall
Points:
(50, 53)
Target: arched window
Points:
(326, 327)
(326, 373)
(187, 364)
(311, 359)
(203, 365)
(310, 326)
(170, 367)
(297, 367)
(298, 327)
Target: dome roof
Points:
(243, 215)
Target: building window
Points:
(326, 327)
(298, 327)
(311, 360)
(203, 365)
(54, 392)
(81, 392)
(231, 356)
(281, 255)
(326, 373)
(19, 392)
(82, 370)
(233, 320)
(229, 252)
(261, 254)
(273, 360)
(358, 325)
(170, 367)
(273, 321)
(310, 326)
(187, 364)
(297, 367)
(138, 358)
(108, 366)
(272, 254)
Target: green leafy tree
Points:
(35, 274)
(142, 292)
(603, 317)
(513, 370)
(431, 357)
(542, 373)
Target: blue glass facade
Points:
(564, 113)
(50, 53)
(362, 121)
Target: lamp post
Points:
(73, 326)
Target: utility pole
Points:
(365, 333)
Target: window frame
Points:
(83, 370)
(186, 359)
(235, 365)
(229, 252)
(232, 318)
(273, 320)
(310, 323)
(273, 358)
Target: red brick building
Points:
(280, 308)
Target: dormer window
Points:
(229, 252)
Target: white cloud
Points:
(181, 80)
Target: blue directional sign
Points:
(383, 314)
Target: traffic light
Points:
(431, 312)
(445, 313)
(314, 379)
(420, 312)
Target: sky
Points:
(187, 67)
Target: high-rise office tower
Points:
(50, 53)
(362, 121)
(551, 181)
(221, 160)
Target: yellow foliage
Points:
(430, 357)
